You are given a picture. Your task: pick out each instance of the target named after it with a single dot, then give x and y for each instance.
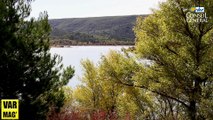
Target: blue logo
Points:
(199, 10)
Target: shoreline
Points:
(69, 46)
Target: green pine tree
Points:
(28, 71)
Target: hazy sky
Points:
(92, 8)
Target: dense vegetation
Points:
(167, 76)
(28, 71)
(114, 30)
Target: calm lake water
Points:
(74, 54)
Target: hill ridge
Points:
(115, 30)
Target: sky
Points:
(92, 8)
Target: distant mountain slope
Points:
(94, 30)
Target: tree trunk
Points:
(192, 110)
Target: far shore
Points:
(68, 46)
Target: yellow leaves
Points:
(177, 60)
(68, 93)
(82, 96)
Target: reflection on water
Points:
(73, 56)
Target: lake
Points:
(74, 54)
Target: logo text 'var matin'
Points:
(9, 109)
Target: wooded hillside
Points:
(112, 30)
